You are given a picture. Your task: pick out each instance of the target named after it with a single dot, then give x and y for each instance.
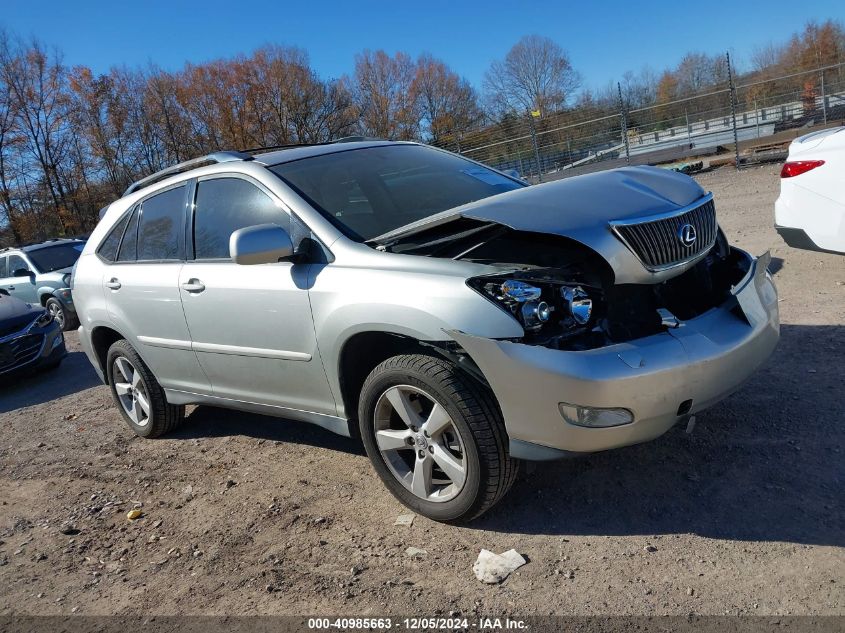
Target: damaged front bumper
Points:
(660, 379)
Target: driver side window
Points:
(224, 205)
(16, 262)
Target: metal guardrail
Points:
(583, 139)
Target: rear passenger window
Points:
(108, 249)
(161, 228)
(223, 206)
(128, 247)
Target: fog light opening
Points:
(685, 407)
(594, 417)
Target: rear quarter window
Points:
(108, 248)
(128, 247)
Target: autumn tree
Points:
(447, 103)
(386, 107)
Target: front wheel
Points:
(435, 437)
(60, 314)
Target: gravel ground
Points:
(244, 514)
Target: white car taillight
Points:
(798, 167)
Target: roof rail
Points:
(346, 139)
(216, 157)
(269, 148)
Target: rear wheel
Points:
(138, 395)
(435, 437)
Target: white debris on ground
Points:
(415, 552)
(404, 519)
(494, 568)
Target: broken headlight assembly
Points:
(539, 302)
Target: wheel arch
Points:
(102, 338)
(360, 354)
(364, 351)
(45, 293)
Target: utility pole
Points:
(733, 108)
(532, 115)
(824, 100)
(623, 113)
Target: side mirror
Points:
(260, 244)
(22, 272)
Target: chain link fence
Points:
(746, 121)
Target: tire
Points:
(422, 469)
(133, 386)
(60, 314)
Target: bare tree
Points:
(8, 144)
(536, 74)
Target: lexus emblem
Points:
(687, 235)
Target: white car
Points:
(810, 212)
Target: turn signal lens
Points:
(520, 291)
(798, 167)
(594, 418)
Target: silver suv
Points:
(455, 319)
(40, 274)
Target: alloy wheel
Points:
(131, 391)
(419, 443)
(58, 314)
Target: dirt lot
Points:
(245, 514)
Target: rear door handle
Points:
(113, 283)
(193, 285)
(11, 287)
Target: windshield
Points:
(55, 257)
(371, 191)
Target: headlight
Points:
(578, 302)
(540, 299)
(535, 313)
(44, 320)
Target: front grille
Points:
(20, 351)
(657, 243)
(16, 324)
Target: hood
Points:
(581, 209)
(15, 314)
(56, 274)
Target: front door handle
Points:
(113, 284)
(193, 285)
(11, 287)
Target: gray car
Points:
(455, 319)
(40, 274)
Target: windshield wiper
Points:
(440, 240)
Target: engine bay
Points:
(574, 303)
(564, 294)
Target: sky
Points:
(603, 39)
